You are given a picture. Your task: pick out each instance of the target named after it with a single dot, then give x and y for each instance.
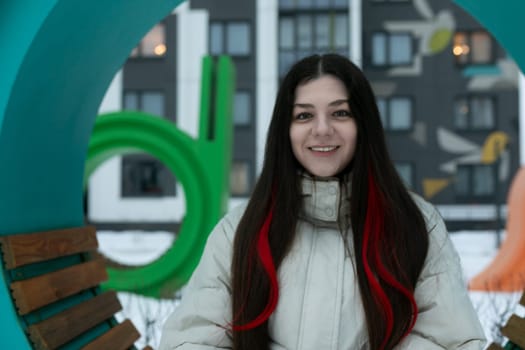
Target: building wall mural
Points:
(465, 151)
(442, 71)
(433, 31)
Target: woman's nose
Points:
(322, 126)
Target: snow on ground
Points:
(476, 250)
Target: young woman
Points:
(331, 251)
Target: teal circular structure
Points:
(59, 58)
(503, 20)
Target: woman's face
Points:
(323, 132)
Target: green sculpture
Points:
(202, 165)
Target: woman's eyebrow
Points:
(338, 102)
(303, 105)
(333, 103)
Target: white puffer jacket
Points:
(319, 303)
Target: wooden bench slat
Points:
(120, 337)
(33, 293)
(514, 330)
(60, 329)
(23, 249)
(60, 271)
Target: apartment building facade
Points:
(447, 92)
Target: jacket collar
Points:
(326, 201)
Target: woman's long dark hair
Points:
(389, 232)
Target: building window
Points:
(474, 113)
(406, 172)
(231, 38)
(392, 49)
(153, 44)
(240, 178)
(311, 4)
(242, 108)
(152, 102)
(144, 176)
(396, 113)
(475, 181)
(313, 26)
(473, 48)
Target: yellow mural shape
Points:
(494, 145)
(439, 40)
(431, 187)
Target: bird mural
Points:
(493, 149)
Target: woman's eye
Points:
(303, 116)
(342, 113)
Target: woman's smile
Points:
(323, 149)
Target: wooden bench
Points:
(54, 280)
(514, 330)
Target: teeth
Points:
(323, 149)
